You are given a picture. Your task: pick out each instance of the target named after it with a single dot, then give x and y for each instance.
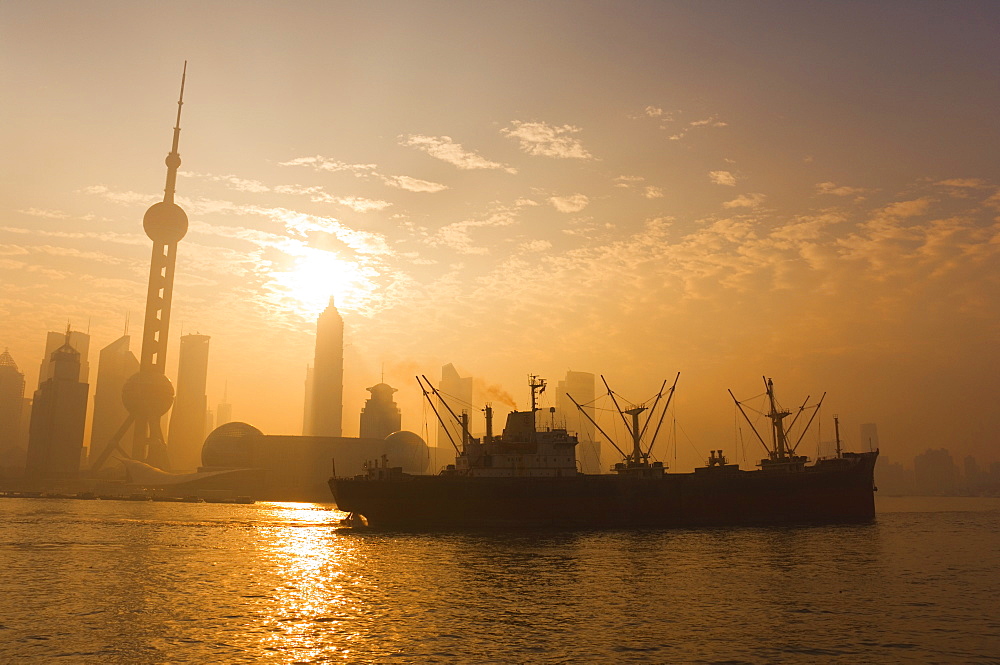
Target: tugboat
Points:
(527, 477)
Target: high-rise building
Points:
(224, 411)
(53, 340)
(307, 408)
(12, 448)
(580, 385)
(188, 418)
(380, 415)
(58, 417)
(328, 375)
(148, 394)
(869, 436)
(115, 365)
(457, 391)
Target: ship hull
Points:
(825, 493)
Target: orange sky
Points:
(804, 190)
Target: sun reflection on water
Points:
(318, 568)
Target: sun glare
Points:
(315, 276)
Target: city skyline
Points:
(700, 203)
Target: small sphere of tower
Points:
(165, 222)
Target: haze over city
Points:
(807, 191)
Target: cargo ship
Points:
(527, 477)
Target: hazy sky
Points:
(806, 190)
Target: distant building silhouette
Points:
(580, 385)
(327, 404)
(188, 418)
(457, 391)
(58, 417)
(869, 436)
(12, 442)
(307, 408)
(935, 473)
(224, 411)
(116, 364)
(53, 340)
(380, 415)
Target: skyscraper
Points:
(328, 375)
(457, 390)
(58, 417)
(580, 385)
(53, 340)
(188, 419)
(115, 365)
(869, 436)
(224, 411)
(380, 416)
(147, 395)
(307, 408)
(12, 450)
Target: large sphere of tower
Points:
(147, 395)
(165, 222)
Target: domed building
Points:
(408, 450)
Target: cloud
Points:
(571, 203)
(539, 138)
(443, 148)
(456, 236)
(50, 214)
(722, 178)
(627, 181)
(711, 121)
(972, 183)
(231, 181)
(841, 190)
(653, 192)
(413, 184)
(745, 201)
(321, 163)
(536, 246)
(123, 198)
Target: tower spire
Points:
(173, 160)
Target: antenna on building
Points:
(126, 323)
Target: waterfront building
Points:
(380, 415)
(188, 418)
(116, 364)
(327, 404)
(58, 417)
(53, 340)
(580, 385)
(457, 391)
(12, 450)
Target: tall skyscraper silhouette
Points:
(12, 445)
(380, 416)
(148, 394)
(188, 418)
(224, 411)
(307, 408)
(328, 374)
(78, 340)
(581, 386)
(457, 390)
(115, 365)
(58, 417)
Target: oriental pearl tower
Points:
(148, 395)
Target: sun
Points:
(315, 276)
